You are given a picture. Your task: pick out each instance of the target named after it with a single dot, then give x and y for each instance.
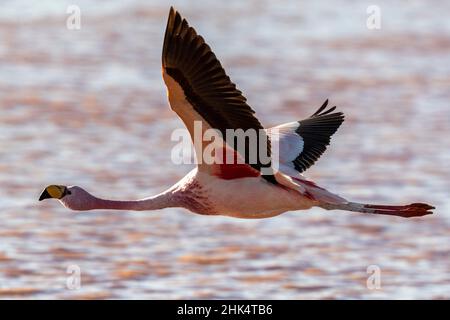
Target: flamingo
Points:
(199, 90)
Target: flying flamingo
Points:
(198, 89)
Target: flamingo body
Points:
(199, 91)
(249, 197)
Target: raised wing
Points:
(301, 143)
(199, 89)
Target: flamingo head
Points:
(71, 197)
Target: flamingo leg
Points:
(405, 211)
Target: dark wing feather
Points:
(316, 132)
(192, 64)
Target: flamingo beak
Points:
(44, 195)
(54, 191)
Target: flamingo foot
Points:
(408, 211)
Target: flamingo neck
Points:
(160, 201)
(90, 202)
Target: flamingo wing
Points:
(301, 143)
(200, 90)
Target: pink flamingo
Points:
(199, 90)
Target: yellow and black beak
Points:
(54, 191)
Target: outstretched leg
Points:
(406, 211)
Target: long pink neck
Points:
(153, 203)
(90, 202)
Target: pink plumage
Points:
(199, 90)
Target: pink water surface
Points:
(88, 107)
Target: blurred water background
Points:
(88, 107)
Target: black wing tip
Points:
(327, 115)
(323, 106)
(173, 20)
(173, 13)
(322, 110)
(338, 116)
